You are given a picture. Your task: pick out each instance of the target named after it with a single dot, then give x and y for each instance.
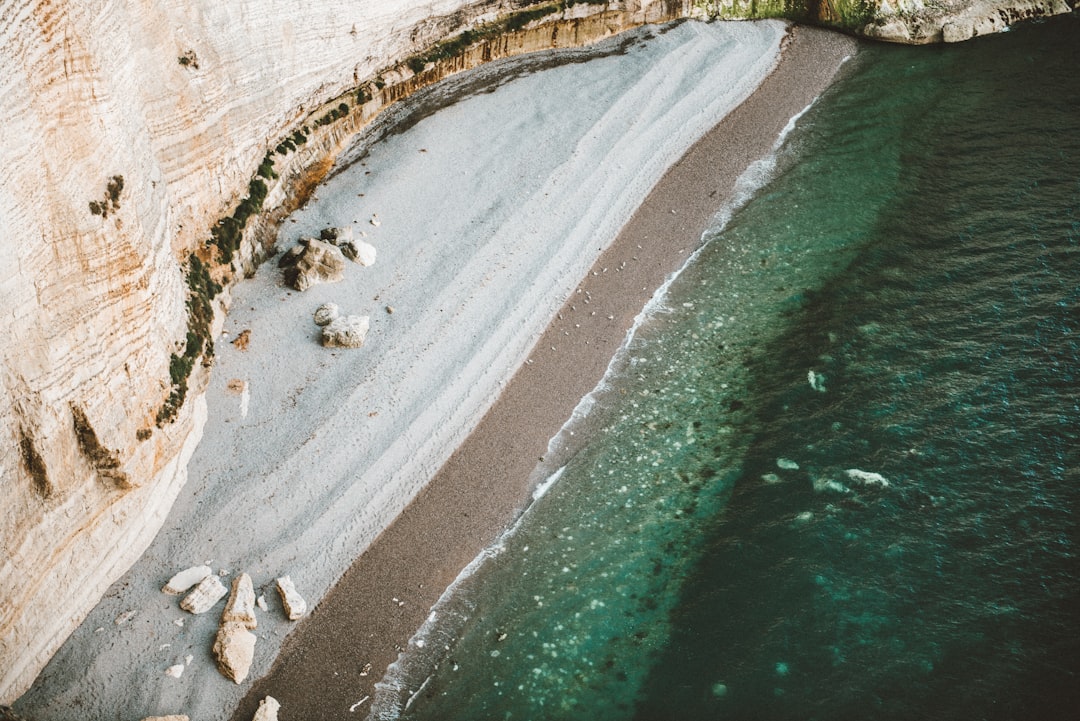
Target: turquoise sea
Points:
(836, 472)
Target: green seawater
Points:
(836, 472)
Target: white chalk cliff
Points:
(129, 130)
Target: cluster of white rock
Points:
(267, 711)
(341, 331)
(322, 260)
(234, 645)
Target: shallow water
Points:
(836, 474)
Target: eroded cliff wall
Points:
(129, 127)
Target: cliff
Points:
(149, 148)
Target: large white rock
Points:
(240, 608)
(318, 262)
(346, 331)
(295, 605)
(234, 650)
(209, 591)
(268, 709)
(184, 580)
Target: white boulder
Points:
(867, 478)
(326, 313)
(234, 650)
(346, 331)
(317, 261)
(359, 251)
(240, 608)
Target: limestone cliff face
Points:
(130, 129)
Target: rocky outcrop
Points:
(919, 22)
(149, 150)
(311, 262)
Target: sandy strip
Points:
(488, 213)
(329, 666)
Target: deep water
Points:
(836, 475)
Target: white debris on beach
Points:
(234, 650)
(240, 608)
(209, 591)
(295, 605)
(268, 710)
(346, 331)
(184, 580)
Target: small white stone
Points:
(786, 464)
(175, 671)
(326, 313)
(295, 605)
(268, 710)
(209, 591)
(261, 603)
(184, 580)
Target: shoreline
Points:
(344, 648)
(320, 450)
